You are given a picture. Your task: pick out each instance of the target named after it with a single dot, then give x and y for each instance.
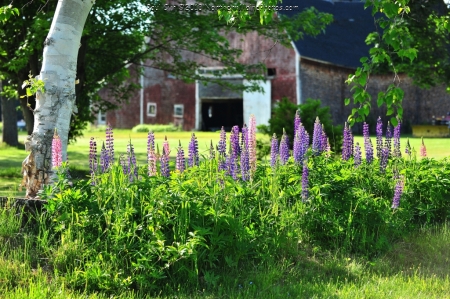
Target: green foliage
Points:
(155, 128)
(283, 115)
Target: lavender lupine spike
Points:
(104, 159)
(110, 144)
(274, 151)
(398, 193)
(164, 160)
(180, 161)
(357, 155)
(151, 156)
(297, 121)
(347, 143)
(166, 146)
(384, 159)
(232, 164)
(388, 140)
(317, 138)
(221, 149)
(56, 150)
(423, 149)
(244, 137)
(234, 141)
(324, 141)
(305, 174)
(379, 137)
(284, 148)
(296, 151)
(124, 164)
(193, 157)
(367, 144)
(245, 164)
(252, 144)
(397, 150)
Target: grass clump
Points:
(156, 128)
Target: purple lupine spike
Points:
(110, 144)
(234, 141)
(193, 157)
(297, 147)
(180, 161)
(397, 150)
(297, 121)
(305, 188)
(150, 142)
(367, 144)
(244, 137)
(151, 156)
(274, 151)
(379, 137)
(357, 155)
(164, 162)
(232, 164)
(398, 193)
(384, 159)
(284, 148)
(408, 148)
(388, 140)
(104, 159)
(245, 164)
(252, 144)
(317, 138)
(347, 143)
(124, 164)
(221, 149)
(324, 141)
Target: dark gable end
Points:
(343, 43)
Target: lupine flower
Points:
(110, 145)
(317, 137)
(384, 159)
(151, 156)
(244, 137)
(284, 148)
(347, 143)
(221, 149)
(274, 151)
(180, 161)
(357, 155)
(328, 149)
(367, 144)
(397, 151)
(388, 141)
(297, 121)
(212, 152)
(234, 141)
(92, 158)
(104, 159)
(408, 148)
(193, 157)
(56, 150)
(245, 164)
(164, 160)
(232, 164)
(423, 149)
(123, 162)
(398, 193)
(132, 166)
(252, 144)
(166, 146)
(305, 174)
(297, 147)
(324, 141)
(379, 137)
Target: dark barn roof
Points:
(343, 42)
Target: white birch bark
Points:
(55, 106)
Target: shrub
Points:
(283, 118)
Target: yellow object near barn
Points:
(430, 131)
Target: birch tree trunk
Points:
(55, 106)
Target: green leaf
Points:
(394, 121)
(347, 101)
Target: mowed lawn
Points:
(78, 152)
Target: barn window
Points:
(151, 109)
(178, 110)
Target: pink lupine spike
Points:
(56, 150)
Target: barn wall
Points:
(327, 83)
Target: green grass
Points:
(416, 267)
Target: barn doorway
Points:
(217, 113)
